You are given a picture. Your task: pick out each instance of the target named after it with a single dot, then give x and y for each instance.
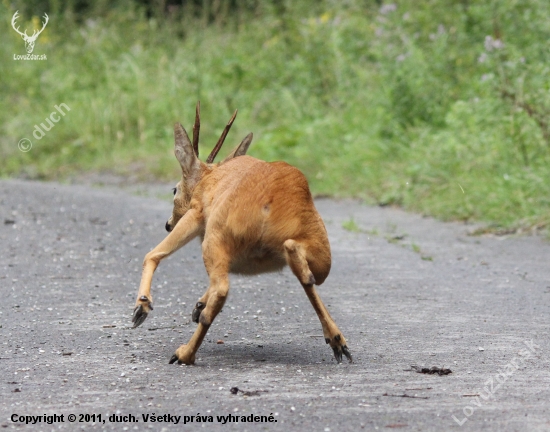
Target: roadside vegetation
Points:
(439, 106)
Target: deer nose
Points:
(168, 227)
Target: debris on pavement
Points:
(431, 371)
(405, 395)
(235, 390)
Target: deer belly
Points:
(258, 260)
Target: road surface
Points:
(405, 290)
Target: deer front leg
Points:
(187, 228)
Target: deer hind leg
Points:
(217, 266)
(296, 254)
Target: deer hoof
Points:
(339, 348)
(346, 352)
(183, 356)
(139, 316)
(197, 311)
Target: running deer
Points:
(253, 217)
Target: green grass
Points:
(351, 226)
(417, 107)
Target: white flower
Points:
(491, 44)
(387, 8)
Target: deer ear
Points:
(241, 149)
(183, 149)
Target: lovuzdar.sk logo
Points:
(29, 40)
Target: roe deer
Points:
(253, 217)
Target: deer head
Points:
(193, 169)
(29, 40)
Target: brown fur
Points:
(253, 217)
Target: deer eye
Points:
(174, 190)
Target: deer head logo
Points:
(29, 40)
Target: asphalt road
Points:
(405, 290)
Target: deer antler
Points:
(197, 128)
(219, 144)
(15, 16)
